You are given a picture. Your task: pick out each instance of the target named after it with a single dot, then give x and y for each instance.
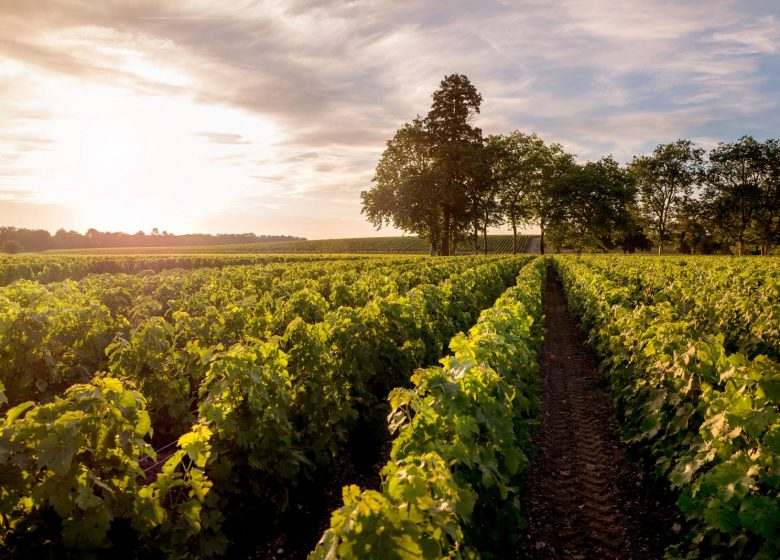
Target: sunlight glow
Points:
(129, 162)
(270, 117)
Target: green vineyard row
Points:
(462, 442)
(61, 333)
(261, 372)
(55, 268)
(182, 413)
(689, 347)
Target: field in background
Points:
(497, 244)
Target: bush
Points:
(11, 246)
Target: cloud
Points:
(758, 36)
(296, 98)
(10, 195)
(223, 138)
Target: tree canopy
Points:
(593, 206)
(423, 180)
(741, 191)
(441, 179)
(664, 180)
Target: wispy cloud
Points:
(223, 138)
(282, 108)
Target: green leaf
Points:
(13, 414)
(144, 424)
(88, 530)
(56, 452)
(771, 388)
(772, 440)
(760, 515)
(754, 422)
(85, 499)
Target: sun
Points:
(129, 162)
(119, 164)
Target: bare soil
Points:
(583, 498)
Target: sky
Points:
(270, 116)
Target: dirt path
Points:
(583, 499)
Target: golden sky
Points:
(270, 117)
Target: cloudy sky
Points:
(270, 116)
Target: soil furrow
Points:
(583, 499)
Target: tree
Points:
(482, 193)
(516, 165)
(766, 218)
(455, 144)
(406, 190)
(694, 231)
(733, 187)
(422, 180)
(593, 206)
(11, 246)
(632, 238)
(553, 167)
(663, 179)
(64, 239)
(30, 239)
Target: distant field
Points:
(49, 267)
(55, 266)
(497, 244)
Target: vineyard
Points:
(272, 406)
(410, 244)
(167, 410)
(50, 268)
(690, 348)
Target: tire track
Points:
(582, 498)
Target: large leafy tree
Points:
(664, 179)
(632, 238)
(734, 177)
(455, 147)
(517, 161)
(554, 167)
(407, 190)
(694, 227)
(593, 206)
(423, 178)
(766, 219)
(483, 193)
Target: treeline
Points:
(14, 240)
(443, 180)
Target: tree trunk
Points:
(484, 234)
(445, 238)
(541, 239)
(767, 235)
(514, 237)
